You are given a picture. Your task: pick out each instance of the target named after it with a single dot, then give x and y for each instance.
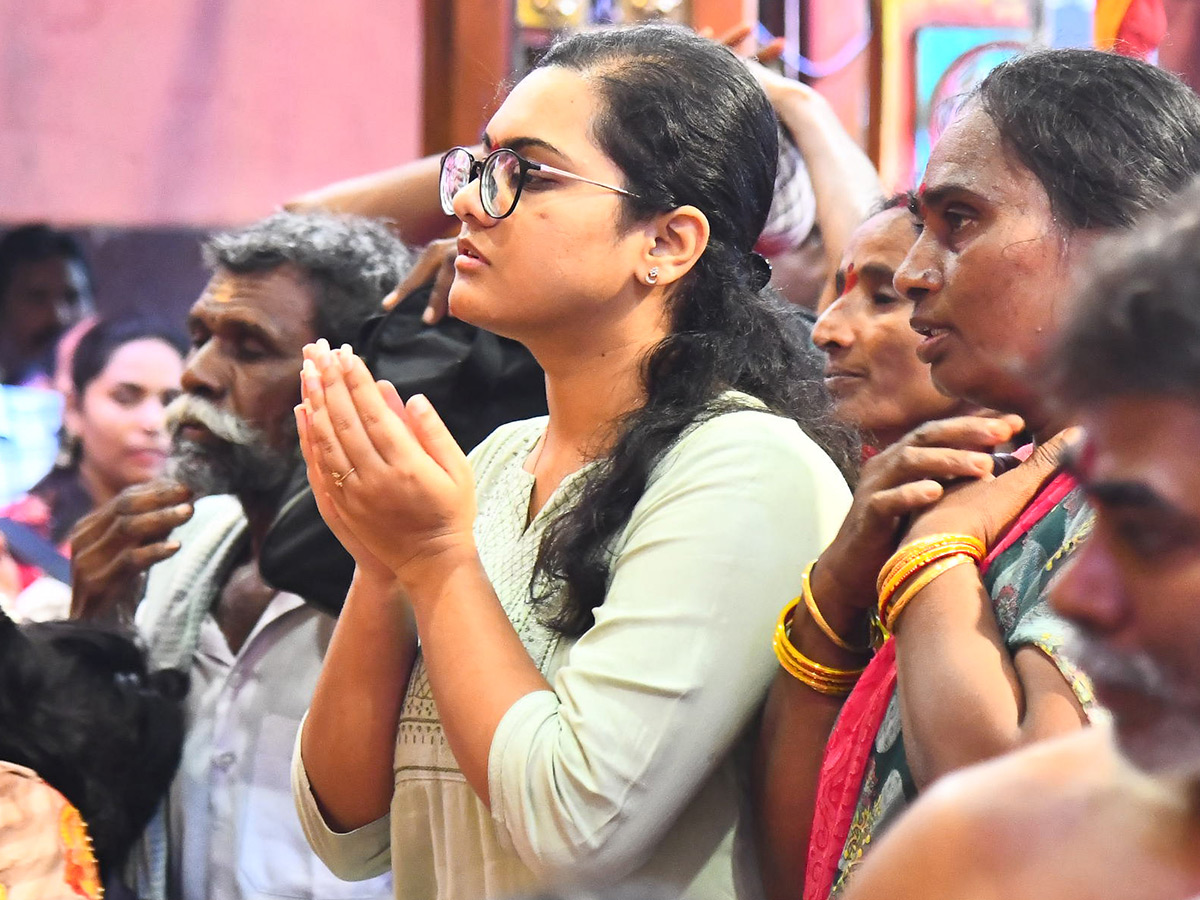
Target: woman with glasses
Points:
(593, 592)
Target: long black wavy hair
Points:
(688, 125)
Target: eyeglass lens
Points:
(499, 181)
(456, 172)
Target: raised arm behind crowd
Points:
(844, 180)
(405, 196)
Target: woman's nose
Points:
(468, 205)
(832, 329)
(921, 273)
(152, 415)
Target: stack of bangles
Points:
(916, 565)
(821, 678)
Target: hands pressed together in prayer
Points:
(388, 477)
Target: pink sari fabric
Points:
(849, 747)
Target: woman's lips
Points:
(148, 457)
(842, 380)
(468, 257)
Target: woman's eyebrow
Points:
(937, 196)
(877, 271)
(520, 144)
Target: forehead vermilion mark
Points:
(919, 196)
(1085, 459)
(851, 280)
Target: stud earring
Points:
(652, 276)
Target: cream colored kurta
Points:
(630, 767)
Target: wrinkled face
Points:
(44, 298)
(233, 428)
(1134, 587)
(990, 274)
(877, 383)
(121, 419)
(559, 258)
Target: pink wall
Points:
(832, 25)
(203, 112)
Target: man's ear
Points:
(677, 239)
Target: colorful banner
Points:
(1131, 27)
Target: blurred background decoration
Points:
(142, 123)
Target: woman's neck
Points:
(586, 398)
(593, 379)
(1043, 426)
(1042, 420)
(97, 487)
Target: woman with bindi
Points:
(879, 387)
(1053, 149)
(877, 383)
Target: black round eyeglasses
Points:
(502, 175)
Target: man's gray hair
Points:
(351, 262)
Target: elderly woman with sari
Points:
(1053, 149)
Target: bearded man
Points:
(180, 557)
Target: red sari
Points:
(849, 749)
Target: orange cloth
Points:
(1130, 27)
(45, 852)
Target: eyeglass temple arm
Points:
(406, 195)
(542, 167)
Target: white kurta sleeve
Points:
(352, 856)
(586, 779)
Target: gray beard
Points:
(230, 468)
(1170, 745)
(239, 460)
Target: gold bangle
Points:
(919, 582)
(936, 540)
(931, 543)
(826, 686)
(887, 600)
(910, 567)
(823, 679)
(810, 603)
(930, 548)
(921, 553)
